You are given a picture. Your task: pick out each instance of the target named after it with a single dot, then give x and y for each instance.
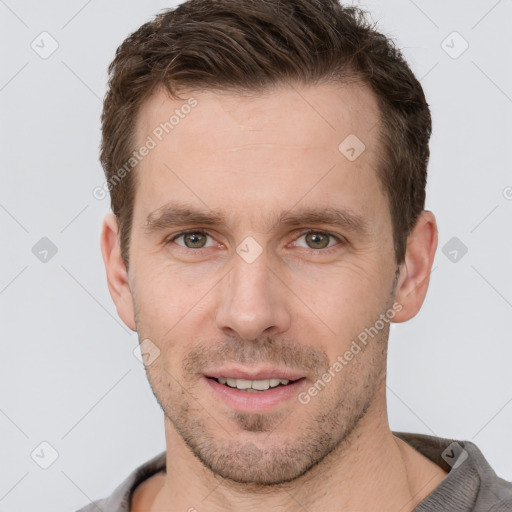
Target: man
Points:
(266, 162)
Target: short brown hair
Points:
(252, 45)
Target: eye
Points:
(193, 239)
(314, 241)
(318, 240)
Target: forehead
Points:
(243, 151)
(292, 114)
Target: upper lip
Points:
(261, 373)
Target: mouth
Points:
(255, 390)
(254, 386)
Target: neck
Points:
(371, 470)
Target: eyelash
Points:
(341, 240)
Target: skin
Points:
(299, 303)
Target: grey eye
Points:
(193, 239)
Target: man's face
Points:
(265, 292)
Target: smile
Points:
(253, 385)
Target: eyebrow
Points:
(177, 214)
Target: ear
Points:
(117, 276)
(415, 271)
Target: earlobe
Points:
(117, 275)
(415, 271)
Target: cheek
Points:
(173, 308)
(346, 302)
(344, 295)
(170, 286)
(162, 300)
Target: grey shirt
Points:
(470, 485)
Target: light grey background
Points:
(68, 374)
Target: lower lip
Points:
(259, 401)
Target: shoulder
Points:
(145, 493)
(120, 500)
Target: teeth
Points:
(243, 384)
(258, 385)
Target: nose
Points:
(253, 301)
